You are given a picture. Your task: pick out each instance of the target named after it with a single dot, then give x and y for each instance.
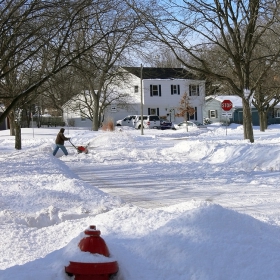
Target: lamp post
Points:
(95, 113)
(67, 120)
(170, 114)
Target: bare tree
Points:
(43, 33)
(185, 109)
(59, 89)
(230, 30)
(97, 68)
(163, 58)
(267, 96)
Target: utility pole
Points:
(141, 79)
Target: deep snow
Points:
(202, 204)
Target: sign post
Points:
(226, 106)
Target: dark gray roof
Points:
(160, 73)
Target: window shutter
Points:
(178, 89)
(216, 113)
(159, 89)
(198, 90)
(149, 111)
(158, 111)
(171, 89)
(195, 113)
(190, 90)
(151, 90)
(209, 114)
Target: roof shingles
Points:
(160, 73)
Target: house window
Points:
(277, 113)
(175, 89)
(136, 89)
(83, 119)
(193, 90)
(155, 90)
(153, 111)
(213, 114)
(113, 108)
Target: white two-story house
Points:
(162, 90)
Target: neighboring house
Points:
(214, 112)
(162, 90)
(74, 108)
(213, 108)
(72, 113)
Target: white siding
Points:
(168, 103)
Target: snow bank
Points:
(204, 242)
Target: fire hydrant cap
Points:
(92, 232)
(95, 244)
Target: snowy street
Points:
(152, 186)
(232, 172)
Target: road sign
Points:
(226, 105)
(227, 115)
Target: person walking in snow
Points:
(60, 138)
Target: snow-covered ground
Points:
(202, 204)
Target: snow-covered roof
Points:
(236, 100)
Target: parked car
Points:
(149, 121)
(164, 124)
(189, 124)
(127, 121)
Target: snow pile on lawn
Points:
(38, 190)
(189, 241)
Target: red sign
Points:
(226, 105)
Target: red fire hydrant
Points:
(94, 244)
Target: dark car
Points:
(164, 124)
(189, 124)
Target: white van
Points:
(127, 121)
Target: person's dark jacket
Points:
(60, 138)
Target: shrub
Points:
(108, 125)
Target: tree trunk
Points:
(95, 121)
(12, 123)
(95, 115)
(18, 136)
(247, 121)
(186, 120)
(263, 120)
(100, 118)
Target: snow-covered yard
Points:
(202, 204)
